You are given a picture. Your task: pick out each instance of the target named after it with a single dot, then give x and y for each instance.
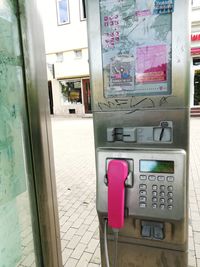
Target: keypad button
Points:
(154, 199)
(162, 206)
(170, 178)
(161, 178)
(143, 177)
(170, 201)
(143, 186)
(154, 206)
(170, 194)
(154, 193)
(143, 193)
(162, 200)
(152, 177)
(143, 199)
(170, 188)
(162, 187)
(170, 207)
(162, 193)
(143, 205)
(154, 187)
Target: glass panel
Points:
(16, 246)
(63, 11)
(136, 45)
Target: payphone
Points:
(139, 62)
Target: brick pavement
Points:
(194, 194)
(75, 172)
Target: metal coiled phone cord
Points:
(106, 245)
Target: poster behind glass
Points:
(136, 47)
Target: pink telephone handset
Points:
(117, 174)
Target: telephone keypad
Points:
(152, 177)
(162, 200)
(161, 178)
(143, 186)
(143, 199)
(143, 193)
(154, 187)
(154, 193)
(170, 178)
(143, 205)
(170, 201)
(143, 177)
(161, 196)
(162, 187)
(170, 194)
(170, 188)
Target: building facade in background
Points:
(195, 54)
(66, 43)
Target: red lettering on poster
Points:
(195, 37)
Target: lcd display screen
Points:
(136, 38)
(156, 166)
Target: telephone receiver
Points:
(117, 174)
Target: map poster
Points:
(151, 64)
(136, 46)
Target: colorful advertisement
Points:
(121, 72)
(151, 64)
(136, 47)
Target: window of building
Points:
(78, 54)
(71, 91)
(82, 9)
(59, 57)
(51, 68)
(196, 61)
(62, 11)
(195, 3)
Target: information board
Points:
(136, 45)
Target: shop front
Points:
(195, 70)
(75, 96)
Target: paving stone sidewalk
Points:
(75, 173)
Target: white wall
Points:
(66, 37)
(195, 15)
(71, 66)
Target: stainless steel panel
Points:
(152, 118)
(178, 185)
(144, 256)
(40, 131)
(145, 111)
(180, 65)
